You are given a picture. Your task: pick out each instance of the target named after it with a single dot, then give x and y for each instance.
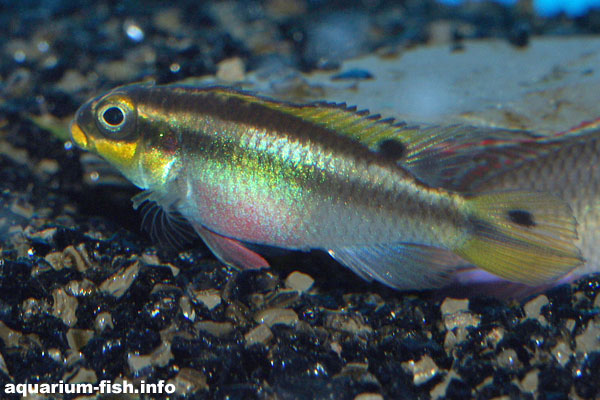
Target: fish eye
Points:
(113, 116)
(115, 119)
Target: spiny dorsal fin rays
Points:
(360, 125)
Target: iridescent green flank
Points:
(245, 169)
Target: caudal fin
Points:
(525, 237)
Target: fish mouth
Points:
(78, 136)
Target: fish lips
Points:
(80, 123)
(78, 136)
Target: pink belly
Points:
(247, 215)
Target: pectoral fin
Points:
(401, 266)
(162, 220)
(231, 251)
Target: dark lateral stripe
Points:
(218, 103)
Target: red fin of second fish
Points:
(474, 155)
(455, 157)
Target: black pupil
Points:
(113, 116)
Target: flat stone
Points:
(450, 340)
(422, 370)
(55, 259)
(186, 308)
(81, 288)
(451, 306)
(160, 357)
(281, 298)
(153, 261)
(275, 316)
(103, 321)
(359, 372)
(84, 375)
(260, 334)
(439, 390)
(71, 257)
(3, 367)
(138, 363)
(461, 319)
(56, 355)
(494, 336)
(508, 359)
(119, 283)
(218, 329)
(562, 353)
(231, 70)
(368, 396)
(188, 381)
(78, 338)
(64, 307)
(475, 86)
(210, 297)
(533, 308)
(299, 281)
(353, 323)
(530, 381)
(48, 166)
(589, 340)
(45, 234)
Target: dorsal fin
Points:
(369, 129)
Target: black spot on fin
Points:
(392, 149)
(521, 217)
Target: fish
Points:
(565, 164)
(244, 170)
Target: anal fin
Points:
(401, 266)
(231, 251)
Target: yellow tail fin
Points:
(525, 237)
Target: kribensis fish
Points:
(244, 169)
